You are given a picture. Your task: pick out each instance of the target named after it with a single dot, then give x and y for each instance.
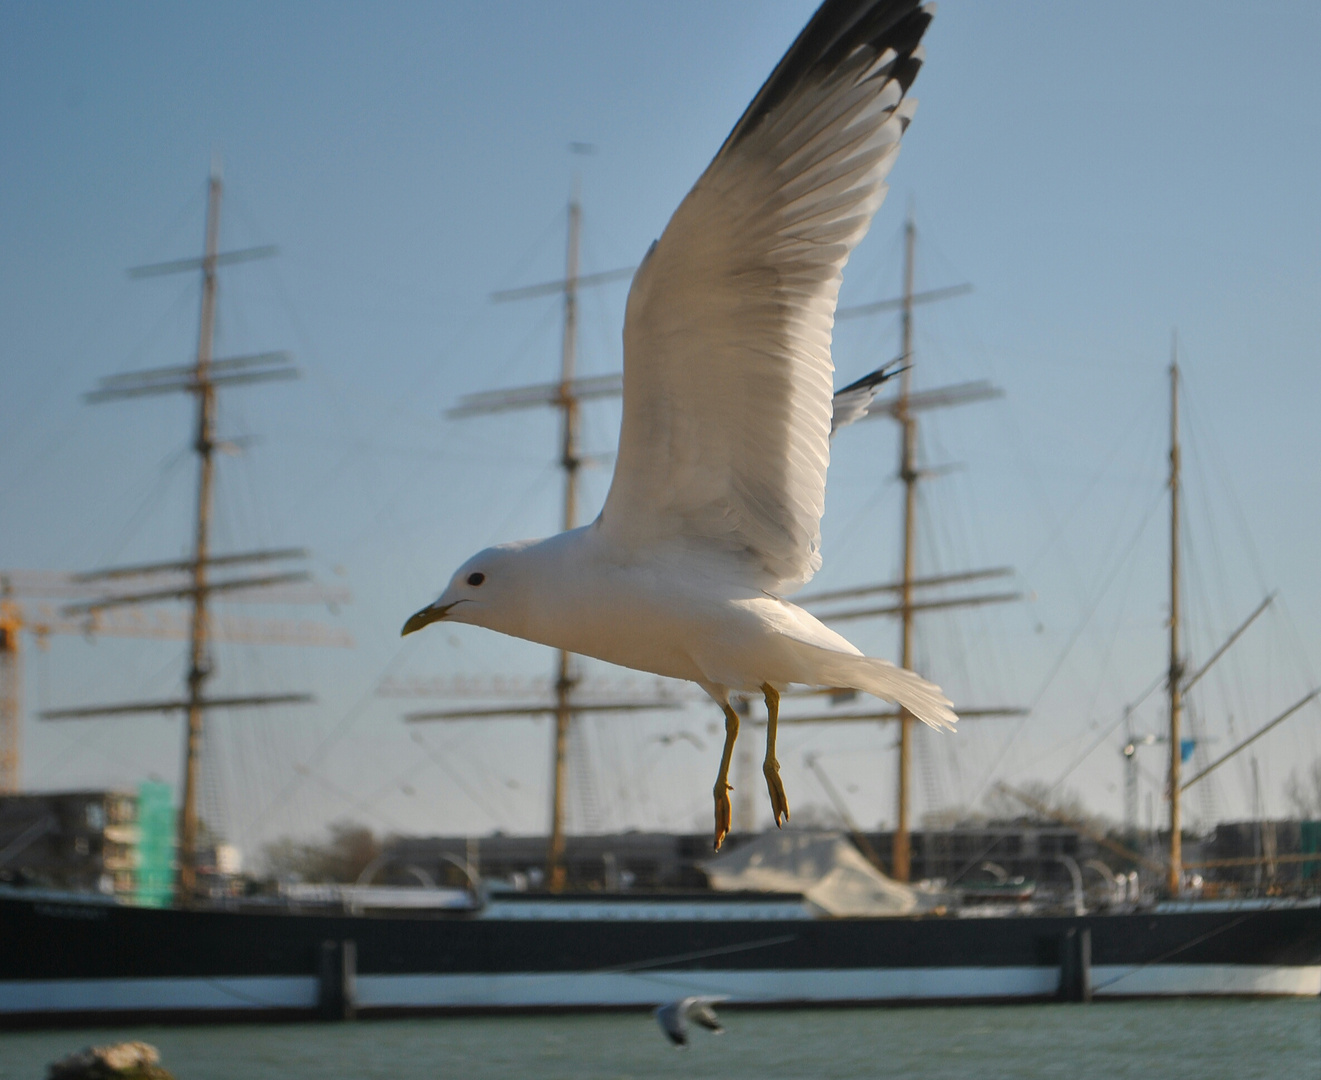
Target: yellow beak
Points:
(425, 617)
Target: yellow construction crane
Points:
(41, 621)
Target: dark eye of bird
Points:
(476, 579)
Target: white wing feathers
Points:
(727, 370)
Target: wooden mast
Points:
(202, 378)
(204, 444)
(902, 852)
(566, 395)
(571, 463)
(1174, 879)
(904, 409)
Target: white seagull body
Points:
(674, 1017)
(714, 511)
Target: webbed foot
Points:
(779, 803)
(724, 812)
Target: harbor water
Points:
(1231, 1039)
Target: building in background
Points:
(83, 841)
(1267, 855)
(1031, 851)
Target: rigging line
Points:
(30, 412)
(522, 349)
(1073, 640)
(961, 647)
(393, 784)
(322, 748)
(1125, 594)
(153, 681)
(349, 419)
(558, 224)
(1236, 672)
(1175, 951)
(846, 534)
(1101, 679)
(939, 758)
(213, 762)
(977, 859)
(1287, 616)
(1193, 411)
(1154, 780)
(596, 298)
(1231, 690)
(1207, 794)
(627, 792)
(389, 505)
(701, 954)
(250, 739)
(95, 740)
(1219, 576)
(459, 781)
(352, 800)
(1238, 693)
(474, 765)
(648, 758)
(149, 502)
(238, 486)
(1124, 714)
(1096, 601)
(1111, 541)
(185, 297)
(1122, 441)
(549, 471)
(25, 469)
(234, 992)
(1243, 766)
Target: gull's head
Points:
(484, 591)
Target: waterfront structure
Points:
(83, 841)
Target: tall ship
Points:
(793, 918)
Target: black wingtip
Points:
(832, 34)
(874, 378)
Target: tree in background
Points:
(342, 857)
(1304, 793)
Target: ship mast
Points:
(570, 462)
(902, 852)
(1174, 880)
(202, 378)
(903, 409)
(566, 395)
(199, 667)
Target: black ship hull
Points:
(65, 961)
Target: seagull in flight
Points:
(674, 1017)
(714, 510)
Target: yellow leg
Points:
(722, 788)
(770, 767)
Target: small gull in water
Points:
(714, 511)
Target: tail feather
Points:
(923, 699)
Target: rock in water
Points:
(121, 1061)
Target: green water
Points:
(1206, 1040)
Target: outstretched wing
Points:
(727, 372)
(671, 1020)
(704, 1016)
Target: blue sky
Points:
(1102, 175)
